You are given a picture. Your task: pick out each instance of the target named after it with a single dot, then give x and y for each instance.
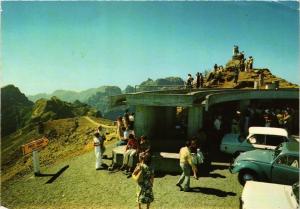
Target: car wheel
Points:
(246, 175)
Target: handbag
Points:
(138, 178)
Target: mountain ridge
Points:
(18, 112)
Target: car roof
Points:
(268, 131)
(290, 147)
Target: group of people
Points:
(198, 82)
(241, 121)
(139, 148)
(190, 157)
(125, 127)
(245, 64)
(133, 150)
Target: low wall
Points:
(161, 161)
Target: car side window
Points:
(259, 139)
(274, 140)
(290, 161)
(282, 160)
(293, 161)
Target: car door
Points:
(285, 169)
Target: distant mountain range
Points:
(71, 96)
(17, 111)
(85, 96)
(98, 97)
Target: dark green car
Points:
(277, 166)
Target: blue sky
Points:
(79, 45)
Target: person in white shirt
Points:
(217, 123)
(99, 149)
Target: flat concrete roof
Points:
(207, 97)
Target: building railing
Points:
(140, 88)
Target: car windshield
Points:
(277, 150)
(296, 191)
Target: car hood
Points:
(257, 155)
(257, 195)
(231, 139)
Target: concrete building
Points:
(156, 112)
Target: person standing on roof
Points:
(201, 80)
(198, 81)
(189, 81)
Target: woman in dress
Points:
(145, 182)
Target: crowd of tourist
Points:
(137, 158)
(137, 155)
(241, 64)
(198, 82)
(286, 118)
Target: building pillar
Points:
(154, 122)
(145, 121)
(195, 120)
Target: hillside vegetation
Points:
(15, 109)
(67, 138)
(54, 108)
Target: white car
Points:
(269, 196)
(258, 138)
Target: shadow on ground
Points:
(54, 176)
(219, 167)
(201, 173)
(211, 175)
(212, 191)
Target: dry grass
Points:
(65, 141)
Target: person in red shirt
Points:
(130, 152)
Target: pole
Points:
(36, 163)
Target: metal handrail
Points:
(160, 87)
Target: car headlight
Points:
(236, 163)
